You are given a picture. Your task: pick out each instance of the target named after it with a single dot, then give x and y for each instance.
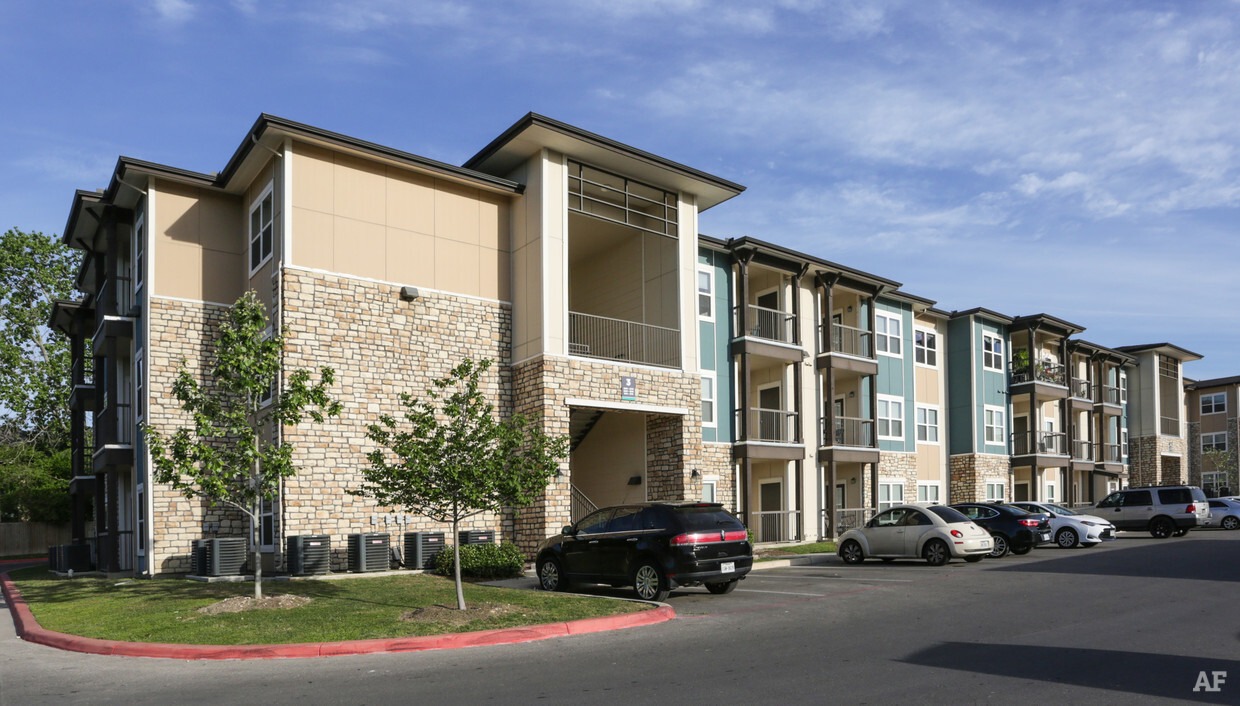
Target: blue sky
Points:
(1078, 159)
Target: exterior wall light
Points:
(409, 294)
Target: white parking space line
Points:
(782, 593)
(832, 578)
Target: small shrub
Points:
(484, 561)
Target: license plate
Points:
(985, 544)
(727, 567)
(1046, 536)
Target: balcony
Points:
(626, 341)
(1107, 397)
(1081, 392)
(1046, 380)
(849, 431)
(1048, 449)
(771, 324)
(769, 433)
(1109, 453)
(848, 348)
(1169, 426)
(1083, 450)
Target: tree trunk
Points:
(256, 537)
(456, 564)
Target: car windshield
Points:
(950, 515)
(1060, 510)
(706, 517)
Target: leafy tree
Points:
(454, 459)
(34, 484)
(1224, 462)
(35, 364)
(227, 455)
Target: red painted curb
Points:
(29, 629)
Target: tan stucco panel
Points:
(456, 267)
(197, 243)
(359, 248)
(411, 202)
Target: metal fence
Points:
(771, 324)
(846, 518)
(1044, 442)
(849, 431)
(848, 340)
(580, 505)
(617, 339)
(775, 425)
(774, 526)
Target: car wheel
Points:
(1161, 528)
(1231, 522)
(648, 582)
(720, 589)
(974, 558)
(1021, 551)
(1000, 547)
(936, 552)
(851, 552)
(1067, 538)
(551, 576)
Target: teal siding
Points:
(993, 387)
(895, 375)
(960, 357)
(714, 337)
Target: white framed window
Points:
(995, 420)
(710, 487)
(890, 417)
(1214, 441)
(890, 494)
(888, 334)
(708, 399)
(1052, 494)
(706, 294)
(141, 528)
(995, 491)
(1123, 387)
(927, 492)
(267, 525)
(926, 347)
(1123, 441)
(1214, 403)
(262, 228)
(1211, 481)
(139, 251)
(927, 424)
(992, 352)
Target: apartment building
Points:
(1157, 421)
(569, 259)
(1213, 425)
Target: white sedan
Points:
(936, 533)
(1225, 513)
(1071, 528)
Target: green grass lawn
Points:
(166, 610)
(783, 552)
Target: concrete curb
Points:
(29, 629)
(802, 560)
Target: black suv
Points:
(1012, 528)
(654, 547)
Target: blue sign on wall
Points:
(628, 388)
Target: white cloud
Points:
(175, 12)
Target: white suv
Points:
(1160, 510)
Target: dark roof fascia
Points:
(849, 277)
(712, 242)
(911, 298)
(267, 122)
(984, 313)
(1104, 350)
(535, 120)
(1187, 355)
(1041, 320)
(1213, 382)
(81, 199)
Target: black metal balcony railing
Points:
(1109, 453)
(84, 370)
(1044, 442)
(617, 339)
(116, 296)
(774, 526)
(771, 324)
(1170, 426)
(848, 340)
(1107, 394)
(846, 518)
(1083, 450)
(849, 431)
(1081, 389)
(1046, 371)
(774, 425)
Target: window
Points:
(706, 294)
(887, 335)
(928, 424)
(262, 229)
(996, 425)
(267, 525)
(1214, 403)
(1051, 495)
(926, 347)
(1212, 481)
(927, 492)
(890, 417)
(139, 370)
(995, 491)
(1123, 387)
(141, 528)
(1123, 441)
(708, 399)
(709, 486)
(139, 244)
(890, 493)
(992, 352)
(1216, 441)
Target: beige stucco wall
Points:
(197, 243)
(367, 219)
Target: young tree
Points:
(226, 456)
(455, 459)
(1223, 462)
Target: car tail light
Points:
(736, 535)
(695, 538)
(957, 534)
(1028, 522)
(1191, 508)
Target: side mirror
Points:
(872, 523)
(568, 531)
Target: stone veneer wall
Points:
(379, 347)
(1196, 463)
(1145, 466)
(971, 472)
(181, 332)
(717, 460)
(542, 387)
(900, 466)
